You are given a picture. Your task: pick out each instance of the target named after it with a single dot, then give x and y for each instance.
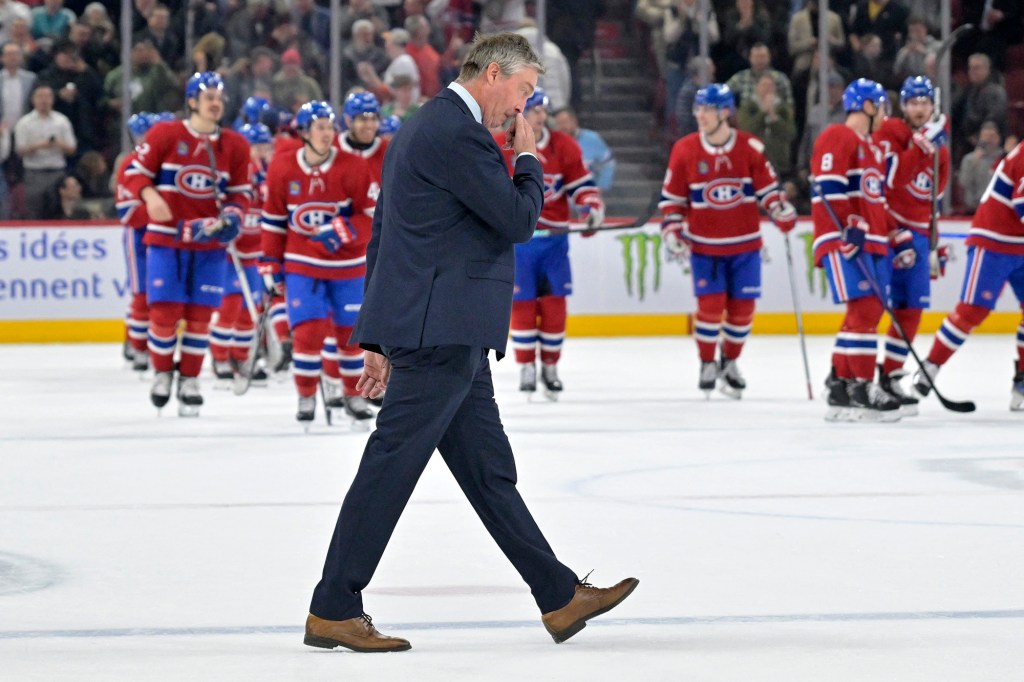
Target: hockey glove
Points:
(273, 278)
(199, 230)
(335, 234)
(673, 235)
(854, 235)
(784, 216)
(935, 131)
(937, 260)
(231, 224)
(591, 209)
(903, 245)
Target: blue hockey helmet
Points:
(310, 111)
(140, 123)
(362, 102)
(916, 86)
(539, 98)
(389, 125)
(862, 91)
(254, 107)
(256, 133)
(717, 95)
(207, 80)
(162, 117)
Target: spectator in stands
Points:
(428, 61)
(52, 20)
(401, 64)
(653, 13)
(291, 86)
(403, 104)
(104, 52)
(557, 80)
(78, 90)
(886, 19)
(682, 37)
(287, 35)
(34, 57)
(743, 83)
(205, 17)
(154, 86)
(247, 76)
(16, 85)
(596, 154)
(768, 117)
(977, 167)
(43, 138)
(362, 49)
(682, 122)
(364, 9)
(572, 25)
(9, 9)
(5, 154)
(869, 62)
(64, 200)
(140, 17)
(242, 26)
(746, 24)
(803, 36)
(94, 174)
(818, 119)
(999, 23)
(314, 21)
(910, 60)
(411, 8)
(158, 30)
(984, 99)
(501, 15)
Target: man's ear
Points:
(493, 71)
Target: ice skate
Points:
(224, 373)
(921, 383)
(708, 378)
(528, 378)
(871, 404)
(307, 410)
(358, 410)
(1017, 392)
(890, 383)
(838, 399)
(377, 402)
(334, 394)
(732, 381)
(160, 393)
(189, 399)
(552, 384)
(281, 361)
(140, 360)
(127, 352)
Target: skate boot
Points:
(708, 377)
(377, 402)
(225, 373)
(307, 410)
(250, 373)
(552, 384)
(127, 352)
(921, 383)
(732, 381)
(358, 410)
(334, 394)
(870, 403)
(528, 378)
(189, 399)
(161, 391)
(1017, 393)
(140, 360)
(838, 399)
(890, 383)
(284, 361)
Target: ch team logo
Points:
(723, 193)
(921, 186)
(871, 184)
(194, 182)
(641, 252)
(307, 218)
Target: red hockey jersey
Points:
(175, 161)
(850, 170)
(998, 223)
(565, 177)
(909, 171)
(374, 154)
(718, 190)
(131, 210)
(301, 198)
(248, 243)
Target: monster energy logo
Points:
(636, 257)
(808, 239)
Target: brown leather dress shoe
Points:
(589, 601)
(357, 634)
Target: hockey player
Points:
(193, 177)
(716, 179)
(232, 335)
(995, 257)
(849, 170)
(254, 110)
(316, 225)
(910, 144)
(543, 278)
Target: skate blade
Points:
(1016, 402)
(839, 414)
(240, 386)
(551, 395)
(359, 424)
(707, 393)
(729, 391)
(223, 384)
(909, 410)
(188, 410)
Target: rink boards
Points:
(67, 282)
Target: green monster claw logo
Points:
(636, 246)
(808, 238)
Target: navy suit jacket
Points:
(440, 263)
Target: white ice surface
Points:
(769, 544)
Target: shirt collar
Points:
(474, 108)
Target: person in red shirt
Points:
(428, 61)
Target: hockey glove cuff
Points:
(903, 245)
(673, 235)
(938, 259)
(784, 216)
(335, 234)
(854, 235)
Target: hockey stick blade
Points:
(952, 405)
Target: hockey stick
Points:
(323, 398)
(799, 315)
(954, 405)
(652, 210)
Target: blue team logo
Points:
(921, 186)
(723, 193)
(703, 167)
(183, 148)
(307, 218)
(871, 184)
(294, 187)
(194, 182)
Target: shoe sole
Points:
(565, 634)
(328, 643)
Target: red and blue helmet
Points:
(717, 95)
(140, 123)
(861, 91)
(311, 111)
(362, 102)
(256, 133)
(916, 86)
(389, 125)
(207, 80)
(539, 98)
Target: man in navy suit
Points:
(440, 268)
